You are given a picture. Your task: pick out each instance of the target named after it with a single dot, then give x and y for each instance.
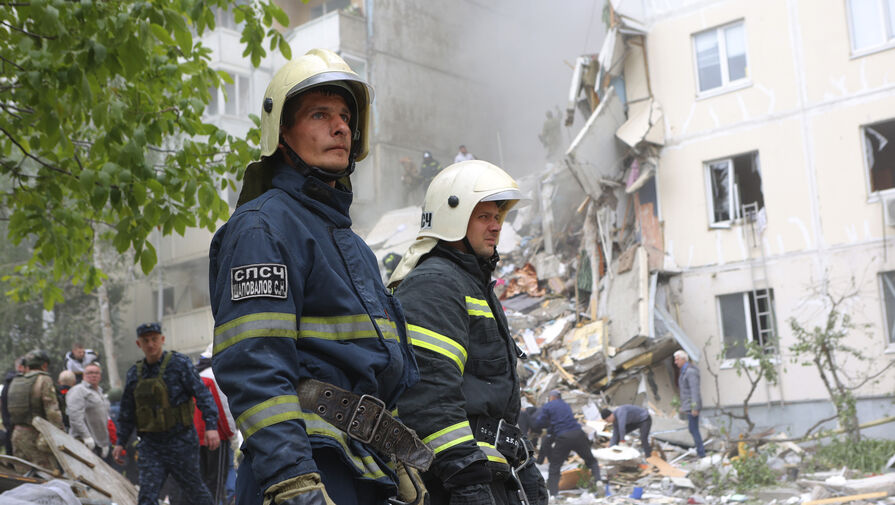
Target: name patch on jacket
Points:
(259, 280)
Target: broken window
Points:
(734, 188)
(887, 281)
(872, 24)
(745, 317)
(879, 153)
(720, 56)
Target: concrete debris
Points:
(593, 299)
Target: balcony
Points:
(337, 31)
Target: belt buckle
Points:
(359, 410)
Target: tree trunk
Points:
(105, 320)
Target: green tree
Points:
(101, 129)
(825, 347)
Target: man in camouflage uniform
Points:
(158, 402)
(33, 395)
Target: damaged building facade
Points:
(739, 164)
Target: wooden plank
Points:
(566, 375)
(75, 455)
(845, 499)
(86, 466)
(664, 468)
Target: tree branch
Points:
(26, 32)
(35, 158)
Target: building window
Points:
(734, 188)
(359, 65)
(872, 24)
(213, 108)
(720, 56)
(887, 282)
(167, 301)
(224, 18)
(329, 6)
(746, 317)
(236, 96)
(879, 154)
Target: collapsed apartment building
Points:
(730, 166)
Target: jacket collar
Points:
(468, 262)
(328, 202)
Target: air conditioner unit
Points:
(889, 210)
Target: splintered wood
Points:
(665, 468)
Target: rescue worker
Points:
(468, 400)
(557, 417)
(4, 403)
(31, 395)
(158, 402)
(625, 419)
(309, 347)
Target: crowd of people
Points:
(171, 403)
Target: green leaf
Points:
(285, 49)
(161, 34)
(147, 258)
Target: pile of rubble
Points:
(85, 478)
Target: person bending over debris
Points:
(627, 418)
(33, 395)
(468, 400)
(557, 417)
(157, 400)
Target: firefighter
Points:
(467, 403)
(309, 347)
(158, 402)
(31, 395)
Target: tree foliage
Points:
(101, 128)
(826, 347)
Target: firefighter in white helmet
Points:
(467, 402)
(309, 347)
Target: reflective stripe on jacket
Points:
(296, 294)
(466, 356)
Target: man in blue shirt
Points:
(627, 418)
(557, 417)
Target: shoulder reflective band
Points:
(491, 452)
(342, 328)
(262, 324)
(428, 339)
(449, 437)
(478, 307)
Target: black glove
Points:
(533, 484)
(476, 494)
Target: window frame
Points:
(242, 109)
(726, 84)
(728, 362)
(888, 25)
(710, 199)
(889, 331)
(872, 195)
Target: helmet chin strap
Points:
(317, 172)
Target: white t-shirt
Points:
(463, 157)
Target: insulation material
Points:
(645, 123)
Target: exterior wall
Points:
(802, 110)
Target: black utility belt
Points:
(365, 419)
(505, 437)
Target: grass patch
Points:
(868, 456)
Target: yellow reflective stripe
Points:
(315, 425)
(262, 324)
(491, 452)
(478, 307)
(337, 327)
(449, 437)
(428, 339)
(286, 407)
(388, 328)
(271, 411)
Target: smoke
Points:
(523, 53)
